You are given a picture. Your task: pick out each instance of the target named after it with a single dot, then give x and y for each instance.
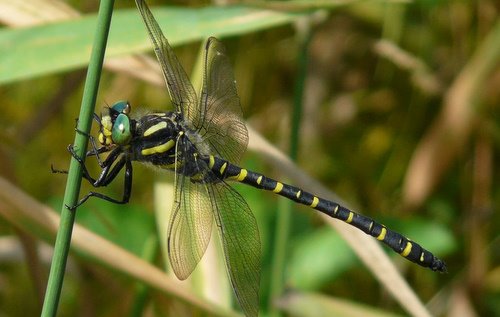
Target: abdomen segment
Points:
(400, 244)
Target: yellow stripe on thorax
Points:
(155, 128)
(159, 148)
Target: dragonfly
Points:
(202, 140)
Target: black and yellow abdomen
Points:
(400, 244)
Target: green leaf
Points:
(318, 258)
(40, 50)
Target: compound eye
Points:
(121, 107)
(121, 134)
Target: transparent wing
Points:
(190, 224)
(241, 244)
(179, 87)
(219, 120)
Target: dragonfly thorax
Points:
(158, 138)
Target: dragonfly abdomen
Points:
(400, 244)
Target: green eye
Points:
(121, 130)
(121, 107)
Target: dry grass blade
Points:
(25, 13)
(453, 126)
(419, 71)
(29, 215)
(307, 304)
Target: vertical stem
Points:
(284, 220)
(63, 238)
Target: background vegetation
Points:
(396, 110)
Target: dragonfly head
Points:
(115, 125)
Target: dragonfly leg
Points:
(57, 171)
(127, 186)
(107, 176)
(96, 151)
(112, 165)
(106, 165)
(95, 117)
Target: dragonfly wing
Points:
(241, 244)
(219, 120)
(190, 226)
(180, 88)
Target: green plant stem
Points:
(284, 215)
(63, 238)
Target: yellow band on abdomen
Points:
(381, 236)
(407, 249)
(314, 202)
(278, 188)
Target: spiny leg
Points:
(96, 119)
(57, 171)
(111, 167)
(95, 151)
(106, 165)
(106, 179)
